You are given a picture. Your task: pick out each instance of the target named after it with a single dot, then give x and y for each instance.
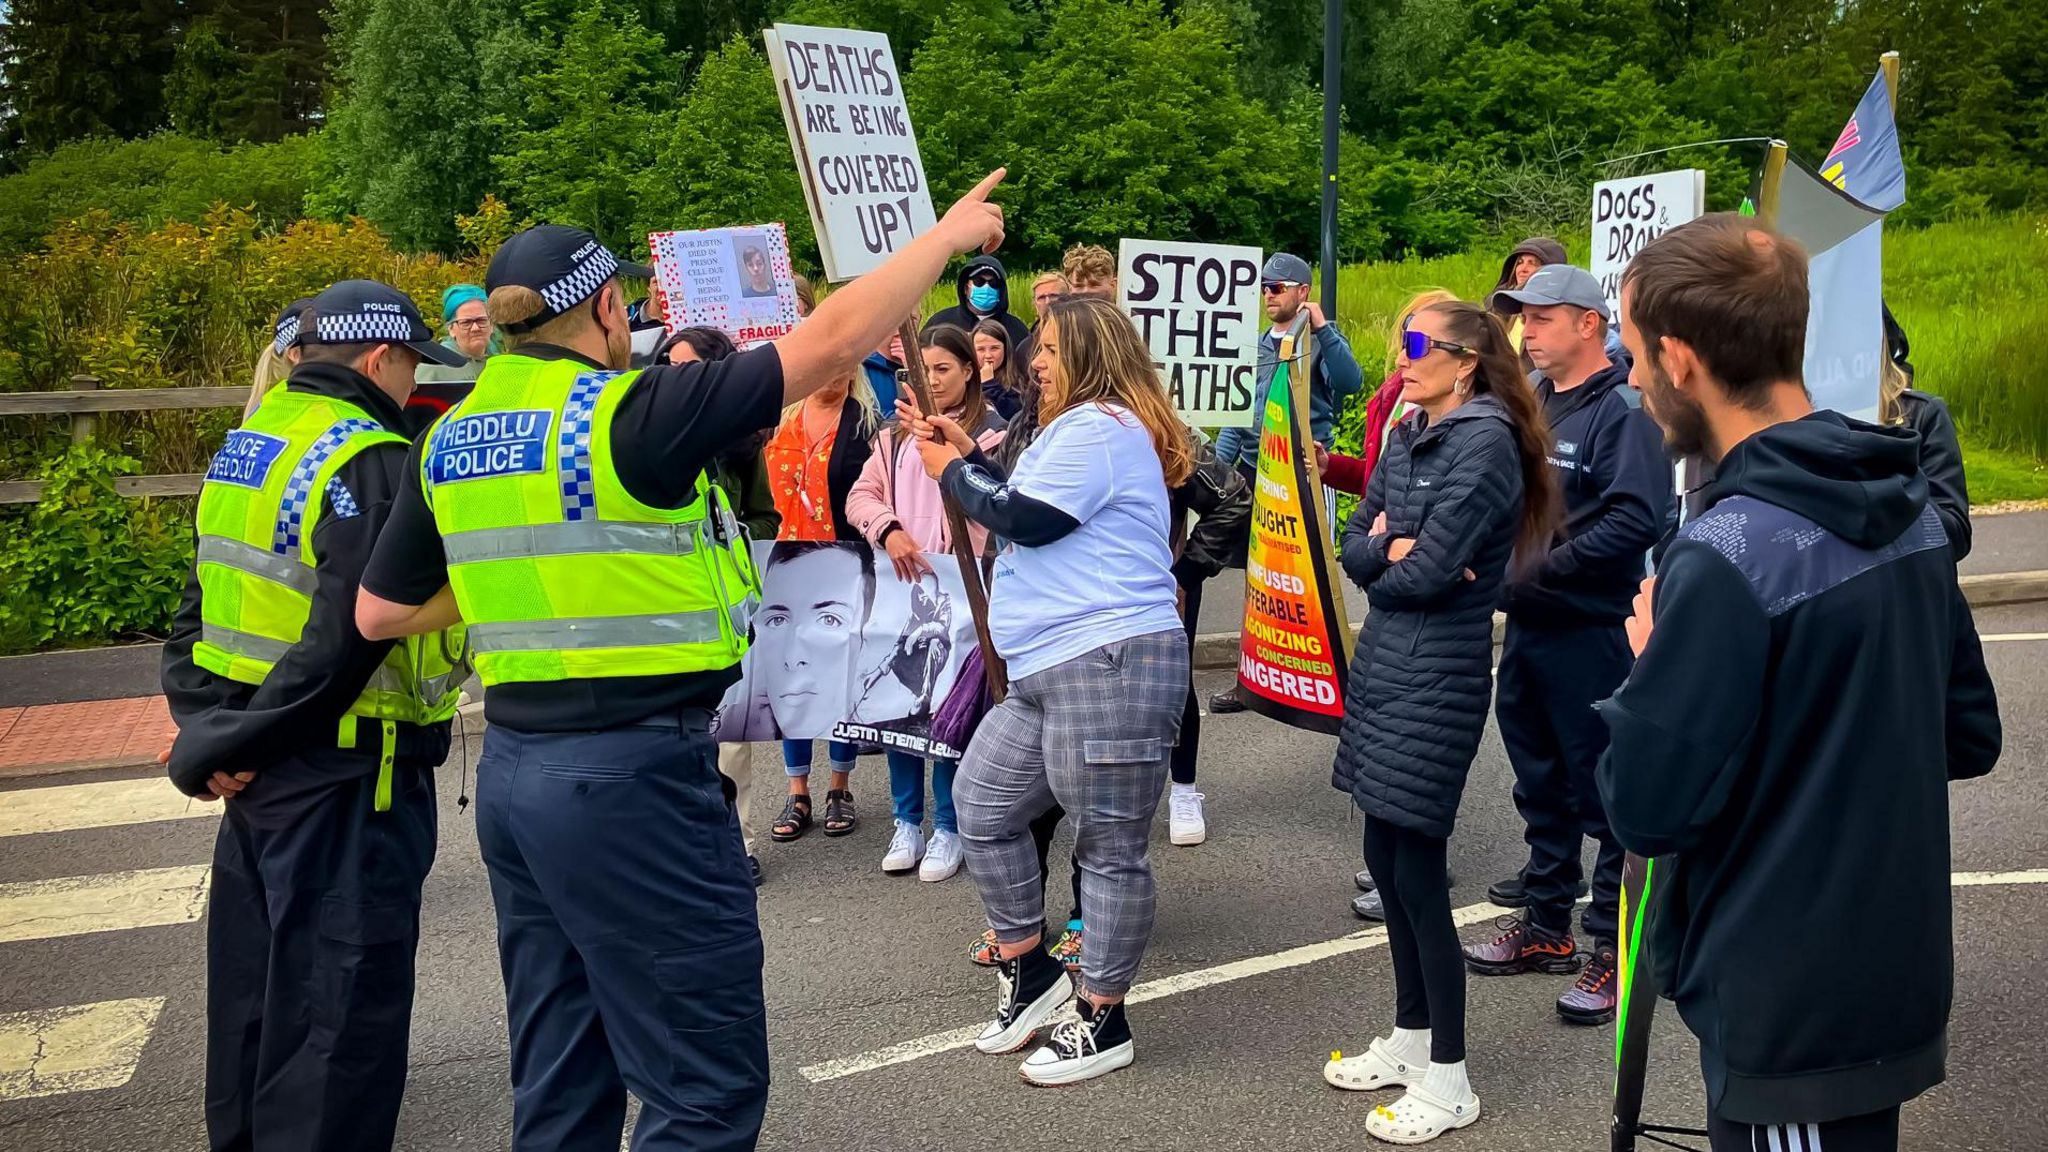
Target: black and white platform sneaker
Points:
(1082, 1049)
(1029, 990)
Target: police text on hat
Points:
(366, 312)
(565, 266)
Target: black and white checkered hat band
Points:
(582, 282)
(363, 328)
(287, 332)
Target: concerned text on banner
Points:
(1291, 653)
(842, 101)
(737, 280)
(1198, 307)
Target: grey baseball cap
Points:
(1555, 284)
(1285, 267)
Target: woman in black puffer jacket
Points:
(1463, 486)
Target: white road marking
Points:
(2008, 637)
(107, 804)
(79, 1048)
(76, 905)
(1236, 970)
(957, 1038)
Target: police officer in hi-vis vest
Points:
(562, 511)
(322, 742)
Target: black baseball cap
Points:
(285, 332)
(366, 312)
(566, 266)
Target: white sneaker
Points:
(941, 857)
(1185, 821)
(906, 848)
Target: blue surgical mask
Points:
(983, 297)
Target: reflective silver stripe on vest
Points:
(571, 538)
(433, 688)
(238, 643)
(596, 632)
(386, 679)
(261, 563)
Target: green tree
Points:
(407, 143)
(590, 123)
(77, 68)
(724, 156)
(249, 69)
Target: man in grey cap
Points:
(1333, 375)
(1566, 647)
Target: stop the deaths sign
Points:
(1199, 310)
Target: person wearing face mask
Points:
(563, 512)
(984, 295)
(899, 510)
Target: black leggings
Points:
(1429, 968)
(1182, 766)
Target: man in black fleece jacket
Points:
(1565, 648)
(1807, 684)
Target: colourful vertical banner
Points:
(1291, 656)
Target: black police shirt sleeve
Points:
(409, 565)
(679, 416)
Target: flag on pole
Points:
(1865, 161)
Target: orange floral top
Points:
(797, 468)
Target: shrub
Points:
(153, 181)
(86, 565)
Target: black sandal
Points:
(794, 821)
(839, 815)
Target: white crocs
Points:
(1419, 1117)
(1378, 1068)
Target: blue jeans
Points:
(906, 788)
(796, 756)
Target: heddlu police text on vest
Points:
(491, 444)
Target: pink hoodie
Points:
(893, 489)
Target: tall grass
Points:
(1972, 296)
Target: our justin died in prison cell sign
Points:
(1198, 307)
(842, 101)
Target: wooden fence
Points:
(85, 399)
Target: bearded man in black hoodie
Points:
(1808, 681)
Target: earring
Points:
(1463, 387)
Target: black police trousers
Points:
(311, 936)
(1549, 681)
(628, 938)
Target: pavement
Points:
(1256, 972)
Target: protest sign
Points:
(1293, 647)
(842, 101)
(1630, 212)
(844, 649)
(737, 280)
(1198, 307)
(1845, 277)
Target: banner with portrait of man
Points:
(845, 649)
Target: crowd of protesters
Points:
(1518, 458)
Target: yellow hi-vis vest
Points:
(560, 573)
(267, 487)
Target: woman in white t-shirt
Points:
(1083, 612)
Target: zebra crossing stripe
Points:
(108, 804)
(111, 902)
(79, 1048)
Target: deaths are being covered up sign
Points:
(1199, 309)
(842, 101)
(737, 280)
